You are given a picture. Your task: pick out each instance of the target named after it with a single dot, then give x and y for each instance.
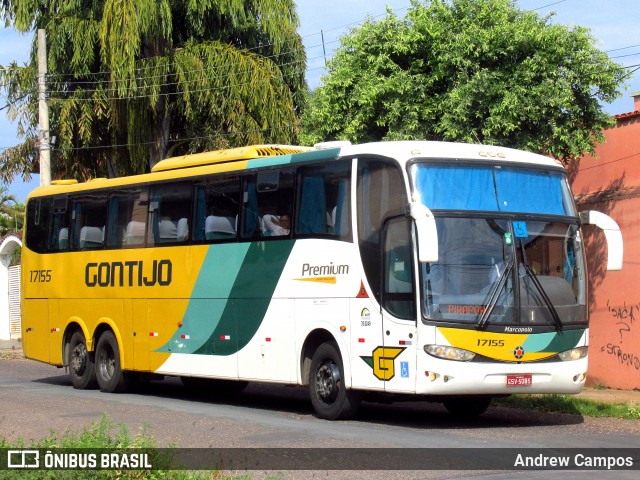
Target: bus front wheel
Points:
(81, 363)
(329, 396)
(109, 374)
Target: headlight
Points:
(574, 354)
(449, 353)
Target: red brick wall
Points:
(611, 184)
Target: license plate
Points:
(519, 380)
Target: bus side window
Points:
(170, 208)
(398, 295)
(275, 202)
(131, 218)
(324, 200)
(120, 207)
(312, 211)
(381, 193)
(267, 200)
(59, 233)
(88, 220)
(217, 210)
(38, 218)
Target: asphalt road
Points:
(37, 398)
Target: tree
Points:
(467, 70)
(11, 214)
(130, 80)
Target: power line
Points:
(185, 139)
(204, 70)
(545, 6)
(164, 75)
(621, 48)
(611, 161)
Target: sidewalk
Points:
(598, 395)
(10, 345)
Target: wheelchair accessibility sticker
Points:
(404, 369)
(520, 229)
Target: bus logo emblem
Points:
(382, 362)
(518, 352)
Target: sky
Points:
(614, 23)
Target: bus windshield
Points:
(509, 247)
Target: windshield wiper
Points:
(495, 293)
(545, 298)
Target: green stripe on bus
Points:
(230, 297)
(294, 158)
(552, 341)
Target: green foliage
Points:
(101, 434)
(130, 79)
(470, 71)
(572, 405)
(11, 217)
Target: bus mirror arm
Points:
(427, 232)
(612, 234)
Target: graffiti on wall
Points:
(626, 317)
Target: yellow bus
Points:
(452, 272)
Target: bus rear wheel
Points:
(81, 363)
(329, 396)
(109, 374)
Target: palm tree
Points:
(128, 80)
(11, 213)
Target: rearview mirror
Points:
(611, 232)
(427, 232)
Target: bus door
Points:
(397, 362)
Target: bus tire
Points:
(81, 362)
(329, 397)
(109, 374)
(467, 407)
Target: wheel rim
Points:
(328, 382)
(107, 362)
(79, 359)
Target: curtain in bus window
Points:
(529, 191)
(76, 221)
(154, 213)
(59, 235)
(365, 224)
(251, 211)
(569, 262)
(457, 188)
(201, 212)
(313, 206)
(112, 227)
(341, 225)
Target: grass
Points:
(104, 434)
(572, 405)
(11, 355)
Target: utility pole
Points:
(43, 111)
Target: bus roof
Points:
(404, 151)
(228, 155)
(256, 156)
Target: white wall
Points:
(9, 244)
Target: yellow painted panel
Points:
(35, 329)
